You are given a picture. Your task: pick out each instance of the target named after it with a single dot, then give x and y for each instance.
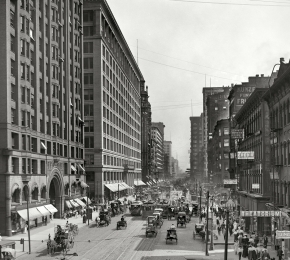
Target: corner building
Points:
(112, 108)
(41, 110)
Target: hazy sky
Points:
(179, 42)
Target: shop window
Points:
(16, 195)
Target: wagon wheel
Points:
(176, 241)
(166, 240)
(156, 233)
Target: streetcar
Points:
(136, 208)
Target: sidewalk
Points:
(39, 235)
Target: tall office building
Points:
(167, 158)
(146, 118)
(196, 145)
(160, 126)
(158, 154)
(112, 108)
(41, 110)
(207, 92)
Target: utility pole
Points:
(206, 233)
(199, 203)
(211, 233)
(227, 232)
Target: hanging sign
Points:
(237, 133)
(260, 213)
(282, 234)
(245, 155)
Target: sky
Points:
(182, 46)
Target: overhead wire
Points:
(208, 67)
(200, 73)
(225, 3)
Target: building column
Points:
(8, 207)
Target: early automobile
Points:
(104, 218)
(171, 212)
(199, 231)
(171, 235)
(151, 226)
(159, 219)
(181, 219)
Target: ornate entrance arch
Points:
(55, 189)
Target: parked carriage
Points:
(63, 239)
(159, 219)
(199, 231)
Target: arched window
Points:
(25, 193)
(43, 192)
(16, 195)
(34, 193)
(66, 189)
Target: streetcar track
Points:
(106, 239)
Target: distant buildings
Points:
(167, 158)
(157, 150)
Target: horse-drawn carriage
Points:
(63, 239)
(104, 218)
(181, 219)
(199, 231)
(171, 235)
(151, 226)
(122, 223)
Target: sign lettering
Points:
(261, 213)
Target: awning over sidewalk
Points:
(85, 199)
(139, 183)
(67, 203)
(126, 186)
(83, 184)
(74, 203)
(33, 213)
(114, 187)
(44, 211)
(80, 202)
(51, 208)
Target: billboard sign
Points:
(237, 133)
(229, 181)
(261, 213)
(255, 185)
(282, 234)
(245, 155)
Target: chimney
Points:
(147, 89)
(257, 75)
(262, 75)
(281, 60)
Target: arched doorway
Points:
(55, 193)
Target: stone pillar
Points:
(8, 207)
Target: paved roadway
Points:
(107, 243)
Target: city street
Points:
(107, 243)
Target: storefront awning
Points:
(114, 187)
(83, 184)
(87, 199)
(80, 202)
(43, 210)
(148, 183)
(68, 204)
(81, 167)
(125, 185)
(51, 208)
(139, 183)
(73, 168)
(33, 213)
(74, 203)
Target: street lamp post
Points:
(25, 182)
(200, 191)
(88, 211)
(227, 232)
(206, 233)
